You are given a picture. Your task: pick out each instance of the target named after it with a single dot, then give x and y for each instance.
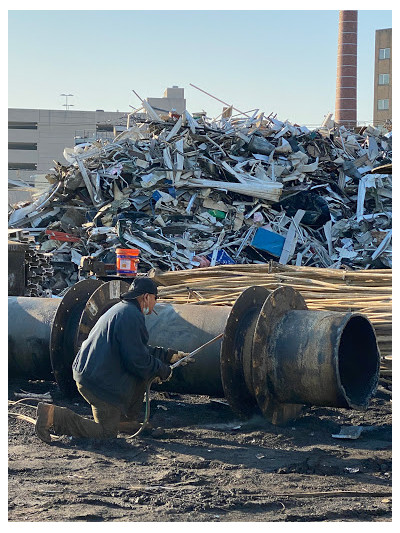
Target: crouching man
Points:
(111, 371)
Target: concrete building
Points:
(37, 138)
(173, 99)
(382, 114)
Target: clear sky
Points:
(277, 61)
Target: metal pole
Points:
(66, 105)
(196, 351)
(222, 102)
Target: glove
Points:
(163, 354)
(164, 374)
(178, 356)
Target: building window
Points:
(383, 104)
(22, 126)
(22, 166)
(104, 127)
(384, 53)
(22, 146)
(383, 79)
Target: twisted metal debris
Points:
(196, 192)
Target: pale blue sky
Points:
(280, 61)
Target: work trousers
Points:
(108, 418)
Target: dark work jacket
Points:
(116, 355)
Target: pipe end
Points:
(358, 361)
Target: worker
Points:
(111, 371)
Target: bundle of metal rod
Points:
(364, 291)
(38, 269)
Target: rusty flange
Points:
(278, 303)
(99, 302)
(63, 330)
(99, 298)
(237, 346)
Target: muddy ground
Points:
(207, 467)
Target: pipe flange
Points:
(279, 302)
(99, 302)
(104, 296)
(242, 316)
(63, 331)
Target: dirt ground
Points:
(207, 467)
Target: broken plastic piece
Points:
(268, 241)
(349, 432)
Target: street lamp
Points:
(67, 105)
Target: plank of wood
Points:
(291, 238)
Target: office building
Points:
(37, 137)
(382, 115)
(173, 99)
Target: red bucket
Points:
(127, 261)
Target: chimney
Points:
(346, 78)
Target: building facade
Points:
(173, 99)
(382, 115)
(37, 138)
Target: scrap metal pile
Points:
(193, 192)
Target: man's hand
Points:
(180, 355)
(164, 374)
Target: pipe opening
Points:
(358, 362)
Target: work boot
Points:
(44, 421)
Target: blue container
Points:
(268, 241)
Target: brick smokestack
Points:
(346, 78)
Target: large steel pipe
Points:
(29, 327)
(35, 325)
(333, 366)
(275, 357)
(303, 357)
(186, 327)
